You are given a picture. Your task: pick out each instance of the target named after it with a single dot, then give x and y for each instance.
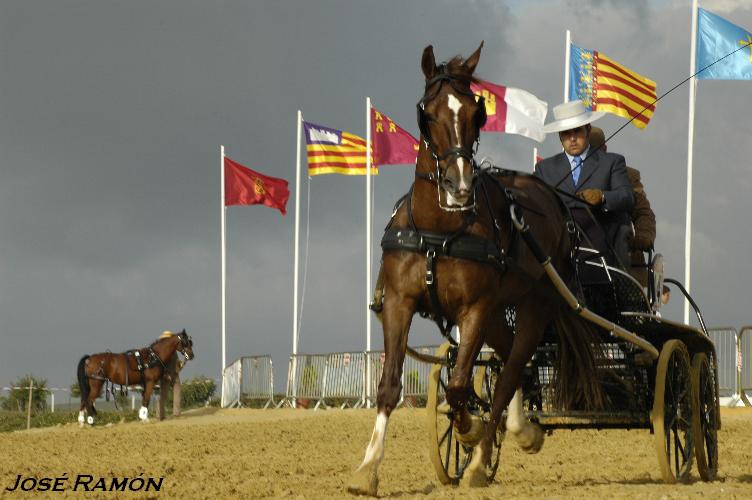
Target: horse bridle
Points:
(458, 152)
(185, 342)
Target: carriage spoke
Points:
(447, 461)
(446, 433)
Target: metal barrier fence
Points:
(375, 367)
(344, 379)
(415, 378)
(257, 380)
(231, 379)
(745, 349)
(725, 340)
(305, 381)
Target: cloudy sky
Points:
(112, 115)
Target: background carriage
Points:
(670, 389)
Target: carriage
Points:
(669, 386)
(498, 254)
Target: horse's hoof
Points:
(364, 481)
(531, 439)
(474, 434)
(474, 477)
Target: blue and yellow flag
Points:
(717, 38)
(332, 151)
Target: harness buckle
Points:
(430, 255)
(571, 228)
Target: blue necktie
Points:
(577, 168)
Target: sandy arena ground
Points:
(307, 454)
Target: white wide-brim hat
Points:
(571, 115)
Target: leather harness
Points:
(458, 244)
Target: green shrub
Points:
(195, 392)
(75, 391)
(18, 399)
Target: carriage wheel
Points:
(705, 417)
(450, 458)
(672, 412)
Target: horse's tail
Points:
(83, 380)
(576, 383)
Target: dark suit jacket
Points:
(604, 171)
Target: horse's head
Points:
(185, 345)
(450, 117)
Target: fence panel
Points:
(305, 382)
(231, 379)
(745, 345)
(344, 378)
(257, 380)
(415, 378)
(725, 339)
(374, 369)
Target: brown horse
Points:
(454, 204)
(145, 366)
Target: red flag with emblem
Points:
(392, 145)
(244, 186)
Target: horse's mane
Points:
(456, 69)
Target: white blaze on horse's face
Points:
(461, 192)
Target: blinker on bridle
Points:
(455, 152)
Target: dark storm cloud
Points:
(111, 117)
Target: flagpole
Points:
(566, 66)
(295, 324)
(368, 247)
(690, 143)
(223, 241)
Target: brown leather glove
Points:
(593, 196)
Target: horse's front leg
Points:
(397, 316)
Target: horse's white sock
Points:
(143, 413)
(90, 420)
(81, 417)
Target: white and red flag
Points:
(512, 111)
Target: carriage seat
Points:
(607, 290)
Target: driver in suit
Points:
(590, 179)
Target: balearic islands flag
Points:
(392, 145)
(513, 111)
(332, 151)
(243, 186)
(605, 85)
(717, 38)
